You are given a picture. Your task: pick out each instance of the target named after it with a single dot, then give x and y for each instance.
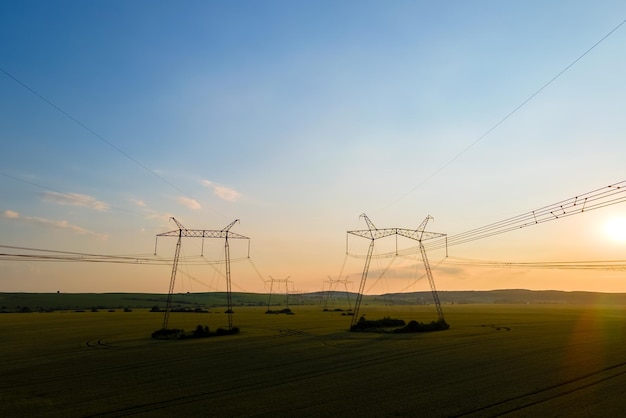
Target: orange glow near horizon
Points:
(616, 229)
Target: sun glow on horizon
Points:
(616, 229)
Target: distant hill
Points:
(515, 296)
(15, 302)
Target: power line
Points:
(586, 202)
(41, 254)
(613, 265)
(94, 133)
(508, 115)
(595, 199)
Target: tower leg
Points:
(168, 304)
(359, 296)
(229, 295)
(432, 282)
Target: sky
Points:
(297, 117)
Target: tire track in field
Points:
(98, 343)
(245, 345)
(243, 388)
(293, 332)
(568, 387)
(95, 347)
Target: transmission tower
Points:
(181, 232)
(373, 233)
(272, 281)
(328, 294)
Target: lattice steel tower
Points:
(373, 233)
(201, 233)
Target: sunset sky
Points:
(296, 117)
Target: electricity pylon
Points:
(373, 233)
(328, 293)
(272, 281)
(200, 233)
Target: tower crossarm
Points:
(374, 233)
(418, 235)
(203, 233)
(407, 233)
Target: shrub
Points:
(222, 331)
(414, 326)
(285, 311)
(168, 334)
(201, 331)
(386, 322)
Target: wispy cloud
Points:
(49, 223)
(223, 192)
(75, 199)
(190, 203)
(138, 202)
(9, 214)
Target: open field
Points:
(514, 360)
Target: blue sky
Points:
(297, 117)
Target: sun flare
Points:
(616, 229)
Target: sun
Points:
(616, 229)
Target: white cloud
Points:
(223, 192)
(49, 223)
(9, 214)
(75, 199)
(190, 203)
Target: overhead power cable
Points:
(511, 113)
(40, 254)
(614, 265)
(92, 132)
(586, 202)
(595, 199)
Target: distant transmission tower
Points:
(332, 283)
(200, 233)
(272, 281)
(373, 233)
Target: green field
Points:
(514, 360)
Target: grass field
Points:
(513, 360)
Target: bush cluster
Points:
(178, 309)
(386, 322)
(199, 332)
(414, 326)
(168, 334)
(285, 311)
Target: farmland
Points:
(513, 359)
